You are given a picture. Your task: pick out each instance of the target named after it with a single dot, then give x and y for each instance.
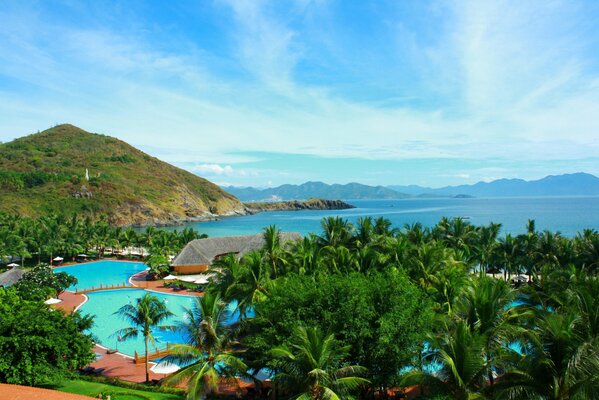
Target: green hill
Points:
(46, 172)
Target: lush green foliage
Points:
(41, 283)
(40, 240)
(39, 344)
(422, 300)
(382, 317)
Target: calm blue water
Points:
(102, 305)
(105, 272)
(566, 215)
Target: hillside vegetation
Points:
(46, 173)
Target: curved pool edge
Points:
(82, 303)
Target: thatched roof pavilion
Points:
(198, 254)
(11, 276)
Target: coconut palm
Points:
(558, 365)
(340, 259)
(306, 255)
(416, 233)
(485, 245)
(127, 238)
(382, 227)
(313, 367)
(147, 314)
(228, 271)
(274, 251)
(459, 352)
(336, 231)
(508, 255)
(587, 245)
(364, 232)
(486, 307)
(207, 355)
(245, 281)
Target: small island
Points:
(296, 205)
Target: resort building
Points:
(198, 254)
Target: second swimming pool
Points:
(104, 272)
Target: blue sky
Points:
(269, 92)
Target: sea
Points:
(567, 215)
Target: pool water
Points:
(103, 305)
(105, 272)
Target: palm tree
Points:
(459, 352)
(459, 234)
(163, 243)
(486, 307)
(587, 245)
(206, 357)
(147, 314)
(313, 367)
(508, 255)
(254, 285)
(528, 247)
(415, 233)
(127, 239)
(558, 365)
(336, 231)
(364, 231)
(228, 272)
(273, 249)
(340, 259)
(485, 245)
(306, 255)
(382, 227)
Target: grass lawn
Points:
(92, 389)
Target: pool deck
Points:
(120, 366)
(139, 280)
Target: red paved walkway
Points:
(15, 392)
(119, 366)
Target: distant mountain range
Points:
(315, 190)
(578, 184)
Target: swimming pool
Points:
(103, 305)
(104, 272)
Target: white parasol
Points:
(165, 368)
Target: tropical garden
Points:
(453, 311)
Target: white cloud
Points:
(213, 169)
(218, 170)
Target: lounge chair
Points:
(87, 370)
